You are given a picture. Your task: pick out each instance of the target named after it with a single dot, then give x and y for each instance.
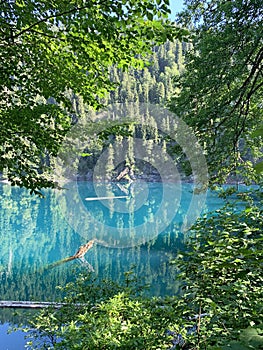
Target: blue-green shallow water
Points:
(145, 229)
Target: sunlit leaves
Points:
(50, 47)
(112, 316)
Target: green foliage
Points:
(111, 317)
(221, 90)
(220, 98)
(222, 277)
(50, 48)
(258, 134)
(249, 338)
(221, 273)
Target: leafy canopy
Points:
(49, 49)
(221, 90)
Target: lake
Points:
(135, 225)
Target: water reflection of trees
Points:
(34, 233)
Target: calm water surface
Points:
(140, 225)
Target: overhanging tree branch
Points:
(46, 19)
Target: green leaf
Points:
(259, 167)
(258, 132)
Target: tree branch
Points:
(47, 18)
(255, 67)
(255, 71)
(47, 35)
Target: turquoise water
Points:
(142, 229)
(140, 225)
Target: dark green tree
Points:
(221, 89)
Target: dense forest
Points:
(83, 90)
(152, 85)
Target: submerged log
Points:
(103, 198)
(78, 255)
(29, 304)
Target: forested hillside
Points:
(46, 51)
(151, 85)
(154, 83)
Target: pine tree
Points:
(109, 167)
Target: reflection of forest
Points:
(35, 234)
